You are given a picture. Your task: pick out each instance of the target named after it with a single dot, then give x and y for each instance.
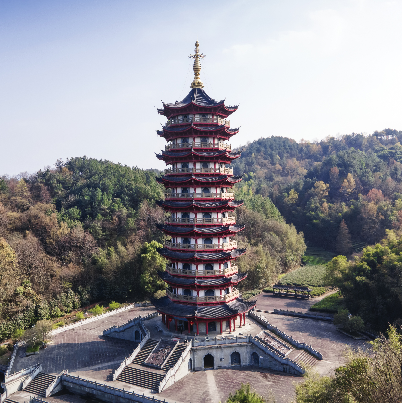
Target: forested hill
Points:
(85, 231)
(355, 178)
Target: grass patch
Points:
(310, 275)
(330, 304)
(317, 256)
(97, 310)
(3, 350)
(58, 324)
(79, 316)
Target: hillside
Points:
(355, 178)
(85, 231)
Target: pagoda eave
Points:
(192, 108)
(173, 132)
(201, 257)
(192, 206)
(223, 230)
(221, 181)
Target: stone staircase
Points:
(39, 384)
(274, 335)
(145, 351)
(9, 401)
(304, 359)
(139, 375)
(177, 352)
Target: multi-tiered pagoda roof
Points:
(202, 277)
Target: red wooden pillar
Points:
(198, 332)
(244, 317)
(234, 324)
(240, 320)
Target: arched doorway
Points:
(207, 241)
(209, 266)
(187, 292)
(211, 326)
(208, 361)
(190, 364)
(235, 358)
(255, 359)
(210, 293)
(186, 266)
(137, 336)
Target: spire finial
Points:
(197, 83)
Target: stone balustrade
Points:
(130, 323)
(225, 170)
(223, 220)
(172, 371)
(213, 341)
(201, 144)
(203, 273)
(75, 384)
(197, 119)
(303, 346)
(201, 246)
(12, 359)
(216, 298)
(216, 195)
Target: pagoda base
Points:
(203, 319)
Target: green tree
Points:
(152, 262)
(343, 240)
(245, 395)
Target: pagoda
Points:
(201, 276)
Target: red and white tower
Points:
(202, 277)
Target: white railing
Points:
(12, 359)
(217, 195)
(191, 118)
(212, 341)
(132, 356)
(106, 389)
(202, 144)
(203, 273)
(130, 323)
(201, 246)
(227, 171)
(172, 371)
(295, 343)
(216, 298)
(22, 372)
(223, 220)
(90, 319)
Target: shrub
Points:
(56, 312)
(79, 315)
(3, 350)
(341, 318)
(349, 323)
(249, 294)
(114, 305)
(18, 334)
(34, 348)
(97, 310)
(58, 324)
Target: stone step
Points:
(140, 377)
(39, 384)
(177, 352)
(305, 359)
(145, 351)
(272, 334)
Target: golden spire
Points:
(197, 83)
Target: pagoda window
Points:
(208, 266)
(186, 241)
(225, 265)
(206, 190)
(211, 327)
(223, 215)
(208, 241)
(185, 216)
(205, 165)
(184, 190)
(185, 140)
(210, 293)
(187, 292)
(227, 290)
(186, 266)
(206, 215)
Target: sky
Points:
(86, 77)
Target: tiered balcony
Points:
(230, 271)
(226, 220)
(201, 246)
(190, 119)
(203, 144)
(217, 195)
(194, 299)
(225, 171)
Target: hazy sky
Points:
(85, 77)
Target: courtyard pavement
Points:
(84, 352)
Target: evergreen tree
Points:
(343, 240)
